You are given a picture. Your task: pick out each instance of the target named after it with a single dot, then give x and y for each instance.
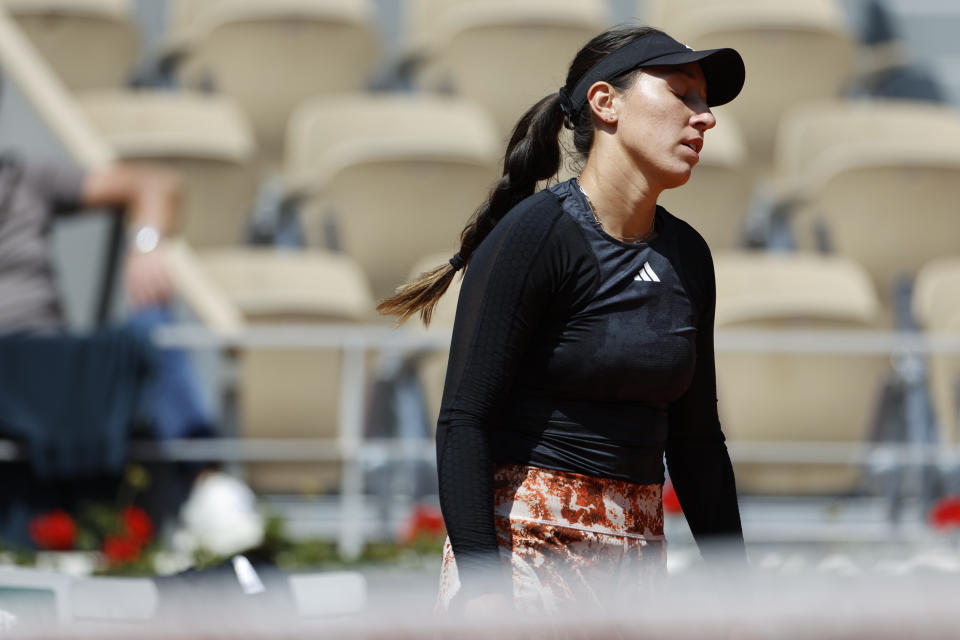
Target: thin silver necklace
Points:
(644, 238)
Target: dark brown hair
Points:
(533, 154)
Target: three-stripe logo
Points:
(647, 274)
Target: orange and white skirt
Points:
(571, 540)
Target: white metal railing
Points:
(382, 337)
(355, 342)
(390, 449)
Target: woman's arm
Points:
(507, 286)
(697, 457)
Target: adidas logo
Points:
(647, 274)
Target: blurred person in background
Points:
(74, 399)
(32, 195)
(582, 350)
(48, 369)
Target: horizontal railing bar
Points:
(283, 450)
(835, 341)
(337, 336)
(297, 336)
(820, 532)
(883, 454)
(260, 450)
(332, 449)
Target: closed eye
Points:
(682, 84)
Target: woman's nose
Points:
(704, 120)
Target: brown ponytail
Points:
(423, 293)
(533, 154)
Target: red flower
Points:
(946, 513)
(671, 503)
(136, 524)
(426, 520)
(54, 531)
(119, 550)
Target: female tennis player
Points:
(582, 349)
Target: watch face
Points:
(146, 239)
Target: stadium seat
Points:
(91, 44)
(793, 51)
(182, 22)
(206, 138)
(283, 393)
(716, 197)
(936, 305)
(782, 397)
(269, 56)
(506, 55)
(400, 181)
(882, 179)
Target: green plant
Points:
(120, 531)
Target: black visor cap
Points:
(723, 69)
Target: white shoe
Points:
(221, 516)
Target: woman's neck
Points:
(625, 204)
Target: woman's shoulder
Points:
(543, 207)
(535, 216)
(534, 231)
(693, 260)
(689, 241)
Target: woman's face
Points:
(661, 120)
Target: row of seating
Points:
(764, 395)
(873, 180)
(269, 57)
(218, 140)
(396, 175)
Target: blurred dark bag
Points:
(72, 401)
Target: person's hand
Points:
(484, 606)
(145, 278)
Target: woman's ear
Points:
(600, 97)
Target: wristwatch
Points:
(145, 238)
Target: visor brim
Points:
(723, 69)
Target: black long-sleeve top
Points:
(578, 352)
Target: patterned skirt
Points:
(571, 540)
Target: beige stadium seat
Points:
(283, 393)
(769, 397)
(811, 129)
(270, 56)
(205, 138)
(183, 21)
(716, 198)
(506, 55)
(936, 305)
(400, 180)
(793, 51)
(883, 179)
(91, 44)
